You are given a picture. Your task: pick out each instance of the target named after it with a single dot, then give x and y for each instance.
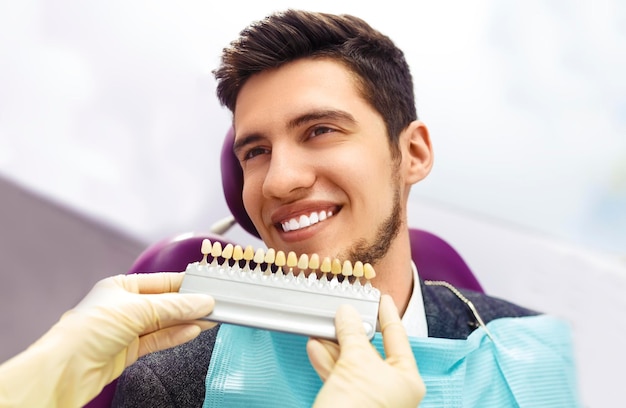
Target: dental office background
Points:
(110, 134)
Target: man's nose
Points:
(290, 170)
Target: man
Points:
(329, 142)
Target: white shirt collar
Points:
(414, 318)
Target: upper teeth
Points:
(305, 221)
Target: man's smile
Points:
(303, 221)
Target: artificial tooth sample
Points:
(303, 265)
(281, 261)
(217, 249)
(303, 262)
(369, 273)
(335, 268)
(205, 250)
(259, 257)
(270, 257)
(346, 270)
(292, 261)
(248, 255)
(357, 272)
(325, 267)
(227, 253)
(314, 262)
(237, 254)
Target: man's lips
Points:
(306, 220)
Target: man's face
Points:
(318, 171)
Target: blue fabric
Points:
(516, 362)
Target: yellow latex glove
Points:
(122, 318)
(354, 373)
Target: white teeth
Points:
(293, 224)
(304, 221)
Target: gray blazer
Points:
(175, 377)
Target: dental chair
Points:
(435, 258)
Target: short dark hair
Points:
(382, 73)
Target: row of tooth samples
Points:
(287, 264)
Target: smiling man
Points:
(320, 175)
(328, 138)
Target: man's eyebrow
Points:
(331, 114)
(241, 143)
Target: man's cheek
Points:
(251, 203)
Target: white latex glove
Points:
(122, 318)
(354, 373)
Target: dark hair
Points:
(383, 76)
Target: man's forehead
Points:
(302, 76)
(268, 103)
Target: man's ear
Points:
(417, 151)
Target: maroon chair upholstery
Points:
(232, 184)
(174, 254)
(435, 258)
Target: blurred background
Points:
(110, 134)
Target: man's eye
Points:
(320, 130)
(256, 151)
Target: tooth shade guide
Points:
(271, 263)
(304, 305)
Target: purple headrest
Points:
(232, 184)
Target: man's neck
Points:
(394, 275)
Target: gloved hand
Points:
(122, 318)
(355, 375)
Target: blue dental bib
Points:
(513, 362)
